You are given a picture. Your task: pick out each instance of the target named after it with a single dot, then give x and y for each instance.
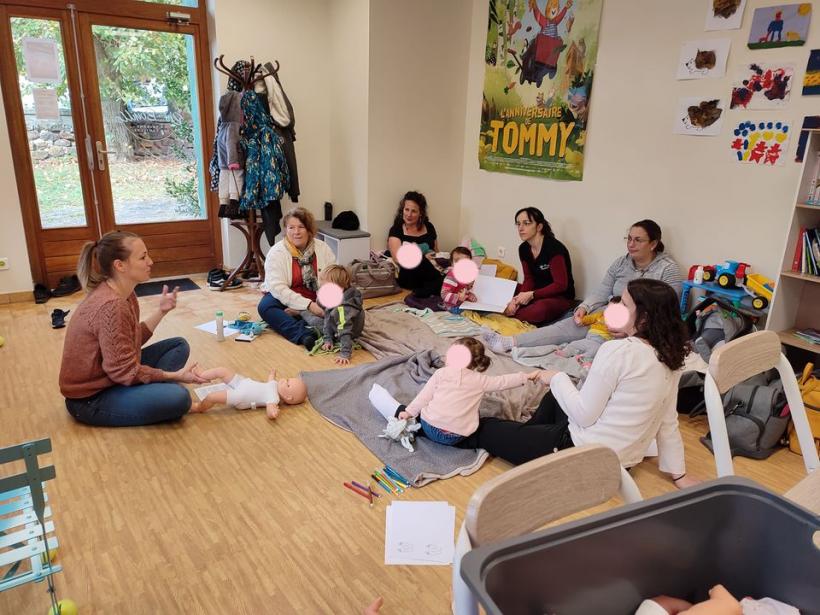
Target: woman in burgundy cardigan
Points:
(548, 289)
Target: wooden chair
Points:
(26, 534)
(735, 362)
(534, 494)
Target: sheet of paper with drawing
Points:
(492, 294)
(419, 534)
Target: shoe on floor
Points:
(41, 293)
(58, 318)
(217, 274)
(309, 341)
(67, 286)
(217, 284)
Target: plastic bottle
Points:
(220, 327)
(698, 275)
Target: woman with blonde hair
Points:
(292, 269)
(106, 376)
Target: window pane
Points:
(152, 130)
(49, 127)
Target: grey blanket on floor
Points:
(544, 357)
(340, 395)
(397, 334)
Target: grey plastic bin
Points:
(729, 531)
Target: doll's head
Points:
(337, 274)
(291, 390)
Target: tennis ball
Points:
(65, 607)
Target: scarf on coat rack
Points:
(305, 260)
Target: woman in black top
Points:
(548, 289)
(412, 226)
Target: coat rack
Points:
(252, 267)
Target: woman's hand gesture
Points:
(168, 301)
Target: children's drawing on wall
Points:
(703, 59)
(809, 122)
(725, 14)
(540, 61)
(811, 81)
(786, 25)
(760, 142)
(699, 116)
(762, 86)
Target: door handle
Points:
(102, 155)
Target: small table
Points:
(346, 245)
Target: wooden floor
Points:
(228, 512)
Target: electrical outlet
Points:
(4, 262)
(502, 251)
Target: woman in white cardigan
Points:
(628, 399)
(292, 269)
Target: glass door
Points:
(148, 146)
(108, 131)
(50, 154)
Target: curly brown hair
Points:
(658, 320)
(478, 361)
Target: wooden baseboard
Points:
(22, 296)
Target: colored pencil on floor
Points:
(381, 484)
(396, 476)
(354, 490)
(367, 488)
(389, 482)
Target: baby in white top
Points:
(242, 392)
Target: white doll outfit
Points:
(246, 393)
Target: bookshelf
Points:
(796, 301)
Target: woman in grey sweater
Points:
(645, 258)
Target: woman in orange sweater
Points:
(106, 376)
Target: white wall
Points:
(709, 207)
(418, 85)
(298, 35)
(12, 234)
(349, 67)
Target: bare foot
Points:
(685, 482)
(374, 606)
(199, 407)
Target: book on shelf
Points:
(809, 335)
(807, 252)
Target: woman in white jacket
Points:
(292, 269)
(628, 399)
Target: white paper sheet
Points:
(202, 392)
(492, 294)
(210, 327)
(419, 534)
(46, 105)
(40, 57)
(488, 270)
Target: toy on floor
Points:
(402, 431)
(242, 393)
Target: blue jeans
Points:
(448, 438)
(272, 312)
(140, 404)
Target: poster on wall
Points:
(703, 59)
(725, 14)
(699, 117)
(539, 66)
(760, 142)
(785, 25)
(811, 81)
(762, 86)
(40, 55)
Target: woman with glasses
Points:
(548, 289)
(645, 258)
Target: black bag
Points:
(756, 419)
(346, 221)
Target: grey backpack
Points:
(756, 419)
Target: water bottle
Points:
(698, 275)
(220, 327)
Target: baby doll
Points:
(453, 292)
(245, 393)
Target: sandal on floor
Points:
(58, 318)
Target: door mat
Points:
(155, 288)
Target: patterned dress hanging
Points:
(266, 170)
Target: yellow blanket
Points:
(498, 322)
